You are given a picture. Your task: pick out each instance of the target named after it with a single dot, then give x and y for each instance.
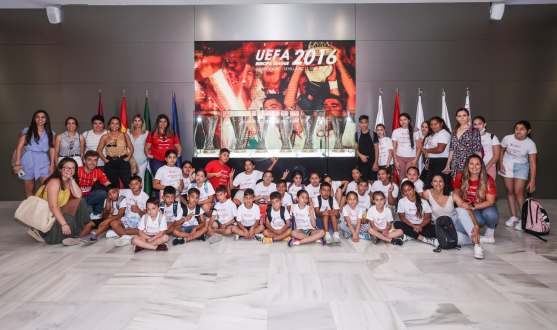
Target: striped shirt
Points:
(92, 142)
(88, 180)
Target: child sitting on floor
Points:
(152, 229)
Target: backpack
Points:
(291, 184)
(282, 210)
(174, 207)
(197, 212)
(205, 187)
(118, 201)
(446, 234)
(534, 218)
(146, 217)
(320, 199)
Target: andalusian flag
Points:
(148, 184)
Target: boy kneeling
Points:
(248, 219)
(151, 229)
(193, 226)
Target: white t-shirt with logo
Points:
(385, 144)
(325, 206)
(517, 151)
(153, 227)
(287, 199)
(402, 137)
(313, 191)
(226, 211)
(169, 212)
(487, 143)
(302, 217)
(381, 219)
(378, 186)
(131, 199)
(409, 209)
(203, 195)
(187, 184)
(364, 201)
(419, 184)
(353, 186)
(353, 215)
(262, 190)
(248, 217)
(123, 204)
(194, 221)
(169, 176)
(276, 221)
(334, 186)
(244, 181)
(292, 189)
(433, 141)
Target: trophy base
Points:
(338, 150)
(240, 150)
(308, 150)
(209, 151)
(286, 151)
(261, 150)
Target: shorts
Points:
(248, 227)
(188, 229)
(390, 230)
(239, 196)
(516, 170)
(97, 223)
(130, 222)
(220, 224)
(307, 231)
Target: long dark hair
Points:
(457, 123)
(443, 126)
(167, 131)
(33, 130)
(419, 207)
(526, 125)
(410, 128)
(57, 173)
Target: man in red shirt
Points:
(88, 175)
(218, 172)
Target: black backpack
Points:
(446, 234)
(174, 207)
(270, 209)
(320, 201)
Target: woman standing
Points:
(93, 137)
(475, 191)
(406, 145)
(435, 148)
(138, 134)
(119, 149)
(38, 140)
(159, 141)
(518, 157)
(465, 141)
(491, 146)
(70, 143)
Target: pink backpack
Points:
(534, 218)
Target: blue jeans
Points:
(464, 223)
(155, 164)
(95, 197)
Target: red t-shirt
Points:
(88, 180)
(473, 189)
(215, 166)
(160, 144)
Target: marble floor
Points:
(247, 285)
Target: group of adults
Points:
(54, 160)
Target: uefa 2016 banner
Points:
(240, 75)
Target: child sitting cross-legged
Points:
(277, 221)
(152, 229)
(306, 226)
(247, 220)
(352, 225)
(382, 221)
(193, 226)
(172, 209)
(223, 218)
(326, 208)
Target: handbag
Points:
(15, 154)
(133, 165)
(34, 212)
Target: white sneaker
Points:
(478, 252)
(111, 234)
(512, 221)
(406, 238)
(431, 241)
(237, 237)
(336, 237)
(518, 226)
(328, 239)
(95, 216)
(487, 240)
(124, 240)
(490, 232)
(259, 237)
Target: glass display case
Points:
(280, 133)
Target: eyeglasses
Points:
(65, 168)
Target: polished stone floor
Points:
(247, 285)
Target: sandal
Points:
(35, 234)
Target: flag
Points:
(380, 119)
(419, 120)
(148, 182)
(123, 116)
(176, 124)
(445, 112)
(396, 125)
(101, 112)
(467, 106)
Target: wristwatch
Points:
(473, 206)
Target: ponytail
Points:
(526, 125)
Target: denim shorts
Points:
(188, 229)
(516, 170)
(130, 222)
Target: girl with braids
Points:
(406, 145)
(474, 190)
(415, 217)
(465, 141)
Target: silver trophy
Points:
(209, 126)
(262, 125)
(285, 133)
(239, 124)
(309, 123)
(339, 124)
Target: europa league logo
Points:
(209, 126)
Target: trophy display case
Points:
(275, 133)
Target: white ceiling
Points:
(45, 3)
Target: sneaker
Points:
(162, 247)
(406, 238)
(365, 236)
(236, 237)
(328, 239)
(35, 234)
(94, 216)
(71, 241)
(178, 240)
(478, 252)
(201, 238)
(259, 237)
(512, 221)
(267, 240)
(396, 241)
(123, 241)
(487, 240)
(137, 249)
(293, 242)
(89, 238)
(346, 235)
(518, 226)
(490, 232)
(286, 239)
(321, 241)
(431, 241)
(111, 234)
(336, 238)
(215, 238)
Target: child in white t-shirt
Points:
(385, 147)
(313, 189)
(194, 225)
(364, 199)
(169, 174)
(413, 174)
(287, 199)
(296, 185)
(172, 209)
(188, 176)
(248, 179)
(352, 213)
(326, 208)
(381, 221)
(224, 216)
(277, 221)
(304, 219)
(206, 192)
(136, 203)
(248, 218)
(264, 189)
(152, 229)
(386, 185)
(336, 187)
(352, 186)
